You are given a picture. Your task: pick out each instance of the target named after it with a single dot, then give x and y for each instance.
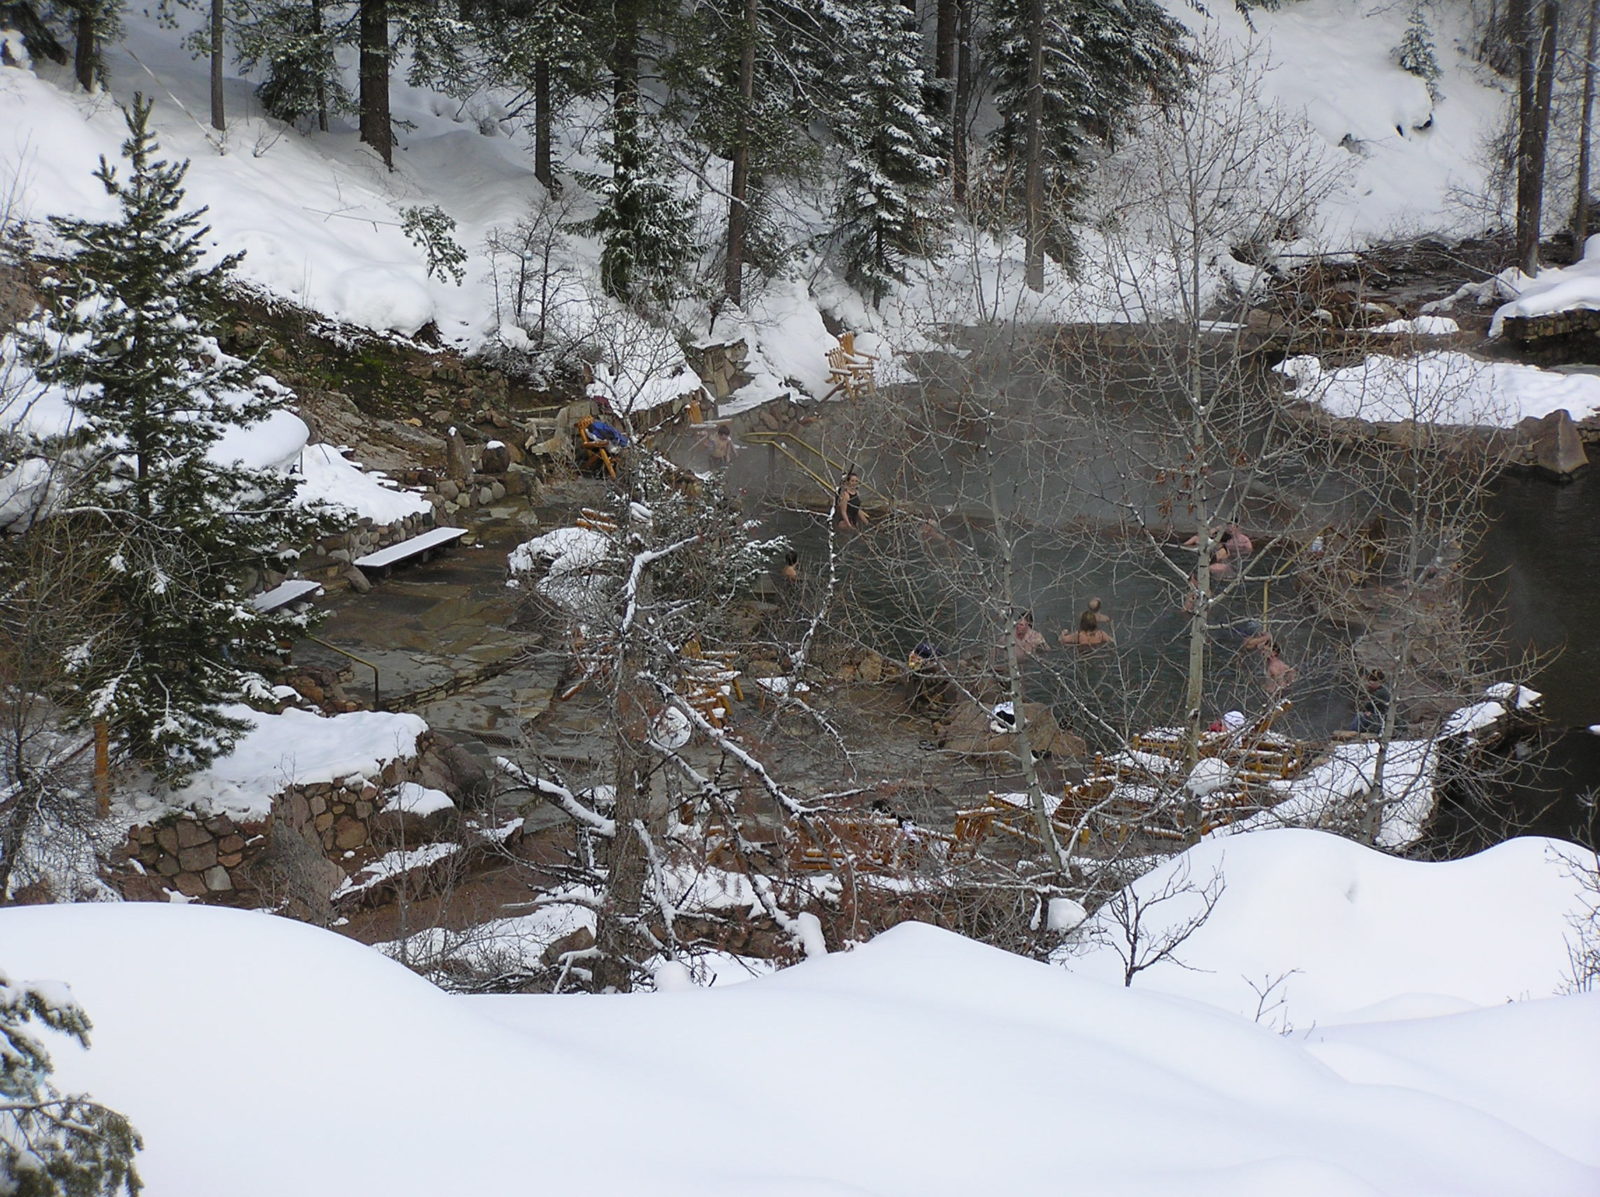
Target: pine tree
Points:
(1098, 58)
(296, 46)
(54, 1145)
(173, 530)
(646, 228)
(1415, 53)
(888, 206)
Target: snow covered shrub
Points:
(54, 1144)
(1415, 54)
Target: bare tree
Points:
(1137, 923)
(658, 589)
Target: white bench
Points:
(284, 593)
(435, 540)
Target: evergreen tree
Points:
(1415, 53)
(296, 46)
(92, 24)
(732, 77)
(646, 228)
(54, 1145)
(888, 208)
(1098, 58)
(173, 530)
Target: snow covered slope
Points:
(289, 1060)
(319, 218)
(1368, 936)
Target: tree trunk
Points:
(1033, 165)
(1580, 207)
(322, 84)
(218, 121)
(85, 51)
(376, 130)
(739, 185)
(617, 932)
(1536, 76)
(542, 121)
(944, 70)
(963, 101)
(1015, 692)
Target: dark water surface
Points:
(1542, 557)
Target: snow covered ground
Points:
(1368, 937)
(1441, 387)
(918, 1064)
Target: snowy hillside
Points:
(919, 1064)
(320, 220)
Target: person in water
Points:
(847, 503)
(1094, 628)
(1372, 704)
(1028, 639)
(1279, 673)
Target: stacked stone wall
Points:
(216, 857)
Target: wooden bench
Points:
(425, 546)
(285, 594)
(710, 681)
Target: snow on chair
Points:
(850, 370)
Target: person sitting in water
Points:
(1372, 705)
(927, 674)
(1094, 628)
(847, 503)
(1221, 559)
(1238, 543)
(790, 572)
(1254, 636)
(1028, 639)
(1279, 674)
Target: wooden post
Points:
(102, 768)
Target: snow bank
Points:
(414, 799)
(1356, 935)
(332, 478)
(1421, 326)
(1441, 388)
(297, 748)
(1086, 1086)
(1574, 288)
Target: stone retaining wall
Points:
(213, 856)
(1575, 322)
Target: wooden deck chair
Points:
(597, 453)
